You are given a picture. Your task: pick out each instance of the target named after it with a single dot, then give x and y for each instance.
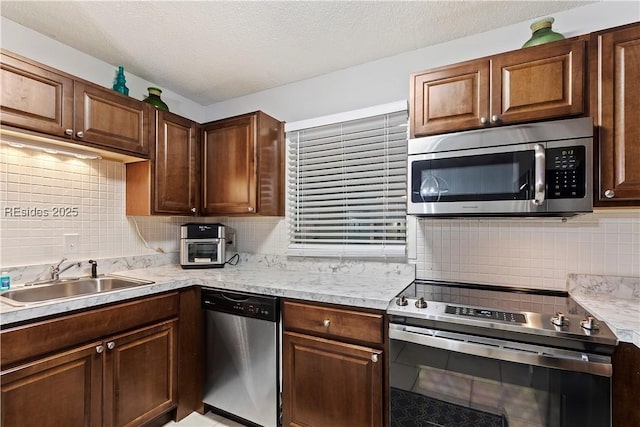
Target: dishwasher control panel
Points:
(242, 304)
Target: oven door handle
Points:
(504, 350)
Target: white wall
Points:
(26, 42)
(387, 80)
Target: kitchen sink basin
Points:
(68, 288)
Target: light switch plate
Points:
(71, 243)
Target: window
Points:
(347, 184)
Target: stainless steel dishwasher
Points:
(242, 340)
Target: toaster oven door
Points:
(202, 253)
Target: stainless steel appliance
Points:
(472, 355)
(205, 245)
(521, 170)
(241, 356)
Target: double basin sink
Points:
(67, 288)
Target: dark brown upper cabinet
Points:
(41, 99)
(169, 183)
(615, 105)
(536, 83)
(243, 166)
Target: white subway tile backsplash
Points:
(535, 253)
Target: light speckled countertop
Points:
(612, 299)
(357, 284)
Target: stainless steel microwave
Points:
(533, 169)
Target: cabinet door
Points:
(140, 378)
(617, 64)
(108, 119)
(228, 166)
(176, 170)
(35, 97)
(450, 98)
(60, 390)
(538, 83)
(329, 383)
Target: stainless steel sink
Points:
(67, 289)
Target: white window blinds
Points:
(347, 187)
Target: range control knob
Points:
(589, 324)
(559, 319)
(421, 303)
(402, 301)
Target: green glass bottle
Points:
(542, 33)
(120, 84)
(154, 99)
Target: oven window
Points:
(202, 252)
(434, 387)
(498, 176)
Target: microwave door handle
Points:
(539, 174)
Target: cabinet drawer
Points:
(343, 323)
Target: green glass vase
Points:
(155, 100)
(542, 33)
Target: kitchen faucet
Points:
(55, 270)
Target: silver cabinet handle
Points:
(99, 349)
(250, 208)
(193, 210)
(80, 134)
(609, 194)
(495, 118)
(111, 345)
(540, 165)
(68, 132)
(374, 358)
(484, 120)
(326, 323)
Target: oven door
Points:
(449, 379)
(202, 253)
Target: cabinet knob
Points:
(483, 120)
(111, 345)
(326, 323)
(68, 132)
(609, 194)
(250, 209)
(80, 134)
(374, 358)
(99, 349)
(193, 210)
(495, 118)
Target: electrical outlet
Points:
(71, 243)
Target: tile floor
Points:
(207, 420)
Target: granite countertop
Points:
(355, 284)
(612, 299)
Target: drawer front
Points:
(335, 322)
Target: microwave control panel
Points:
(566, 172)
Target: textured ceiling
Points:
(209, 51)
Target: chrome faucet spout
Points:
(56, 270)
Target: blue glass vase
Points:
(120, 82)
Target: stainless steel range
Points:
(474, 355)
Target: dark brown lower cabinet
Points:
(113, 366)
(626, 385)
(61, 390)
(140, 375)
(330, 383)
